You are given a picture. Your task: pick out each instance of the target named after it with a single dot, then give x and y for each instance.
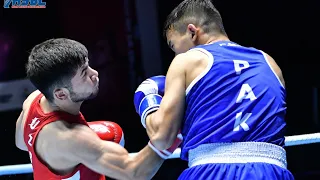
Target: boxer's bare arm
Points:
(164, 124)
(19, 133)
(21, 120)
(275, 68)
(79, 144)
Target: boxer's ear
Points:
(193, 31)
(60, 94)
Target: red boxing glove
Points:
(165, 154)
(108, 131)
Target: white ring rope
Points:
(289, 141)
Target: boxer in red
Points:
(61, 144)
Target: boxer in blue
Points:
(228, 101)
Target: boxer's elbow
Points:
(163, 140)
(161, 134)
(158, 142)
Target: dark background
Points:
(286, 30)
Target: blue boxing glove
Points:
(148, 96)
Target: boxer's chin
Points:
(94, 93)
(80, 98)
(77, 99)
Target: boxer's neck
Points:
(68, 106)
(209, 39)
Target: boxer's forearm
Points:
(160, 135)
(153, 131)
(145, 163)
(151, 127)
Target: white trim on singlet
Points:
(266, 59)
(202, 74)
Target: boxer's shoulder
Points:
(193, 58)
(274, 66)
(196, 62)
(197, 54)
(29, 99)
(26, 106)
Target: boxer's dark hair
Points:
(53, 63)
(198, 12)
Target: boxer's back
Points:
(237, 98)
(36, 123)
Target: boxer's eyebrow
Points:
(170, 44)
(85, 68)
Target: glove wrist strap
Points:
(163, 155)
(149, 104)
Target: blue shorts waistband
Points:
(238, 152)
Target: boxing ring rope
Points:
(289, 141)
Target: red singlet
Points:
(35, 121)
